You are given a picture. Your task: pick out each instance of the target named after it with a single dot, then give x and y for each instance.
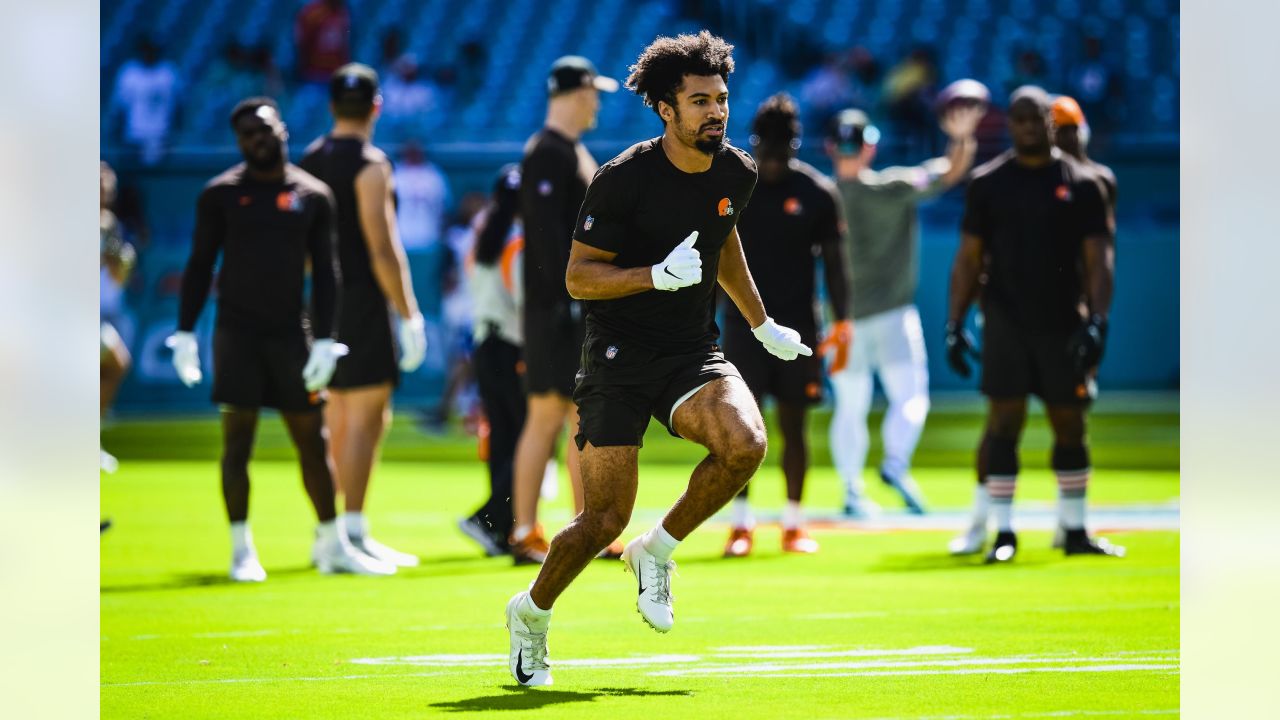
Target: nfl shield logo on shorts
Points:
(611, 352)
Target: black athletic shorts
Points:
(621, 385)
(789, 381)
(552, 348)
(251, 371)
(364, 325)
(1017, 363)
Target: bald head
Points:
(1031, 120)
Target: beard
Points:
(711, 145)
(269, 160)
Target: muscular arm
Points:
(206, 242)
(964, 276)
(1099, 273)
(837, 278)
(381, 236)
(735, 278)
(591, 275)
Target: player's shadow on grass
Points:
(186, 581)
(943, 561)
(520, 698)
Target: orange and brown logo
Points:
(288, 201)
(813, 390)
(792, 206)
(725, 207)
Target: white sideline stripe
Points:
(761, 668)
(910, 652)
(1051, 714)
(454, 661)
(986, 610)
(231, 681)
(972, 671)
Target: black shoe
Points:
(1004, 548)
(1078, 542)
(492, 543)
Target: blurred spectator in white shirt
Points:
(146, 93)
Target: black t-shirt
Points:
(640, 206)
(782, 235)
(1033, 222)
(337, 161)
(265, 232)
(554, 175)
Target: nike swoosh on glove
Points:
(323, 361)
(782, 342)
(413, 342)
(682, 268)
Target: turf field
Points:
(880, 624)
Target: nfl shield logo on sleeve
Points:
(611, 352)
(586, 224)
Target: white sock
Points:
(355, 524)
(533, 616)
(1004, 515)
(1071, 512)
(791, 516)
(1001, 488)
(521, 532)
(741, 513)
(327, 532)
(241, 538)
(659, 543)
(981, 505)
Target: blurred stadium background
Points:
(464, 81)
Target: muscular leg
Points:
(573, 458)
(361, 416)
(792, 418)
(543, 423)
(1005, 420)
(1070, 462)
(723, 418)
(310, 438)
(239, 425)
(609, 478)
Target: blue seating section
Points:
(977, 38)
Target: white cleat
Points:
(528, 662)
(970, 542)
(378, 551)
(246, 568)
(340, 557)
(859, 507)
(654, 579)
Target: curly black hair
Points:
(658, 73)
(777, 120)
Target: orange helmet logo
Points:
(791, 206)
(725, 207)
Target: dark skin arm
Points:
(1099, 274)
(735, 278)
(837, 279)
(965, 271)
(591, 275)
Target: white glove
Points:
(186, 357)
(323, 361)
(682, 268)
(780, 341)
(413, 342)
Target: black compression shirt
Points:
(640, 206)
(337, 161)
(265, 232)
(788, 225)
(1033, 222)
(553, 180)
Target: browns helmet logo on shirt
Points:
(725, 208)
(288, 201)
(792, 206)
(1063, 193)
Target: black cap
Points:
(851, 129)
(574, 71)
(353, 86)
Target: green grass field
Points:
(880, 624)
